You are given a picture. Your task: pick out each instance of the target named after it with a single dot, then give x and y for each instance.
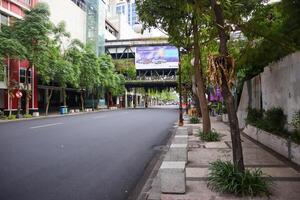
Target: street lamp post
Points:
(180, 98)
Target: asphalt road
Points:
(97, 156)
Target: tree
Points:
(10, 48)
(179, 19)
(90, 73)
(55, 70)
(112, 82)
(33, 33)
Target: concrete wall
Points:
(277, 86)
(71, 14)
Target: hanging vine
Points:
(221, 65)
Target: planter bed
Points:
(279, 144)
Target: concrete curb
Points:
(150, 179)
(57, 116)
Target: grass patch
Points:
(211, 136)
(225, 178)
(11, 117)
(194, 120)
(27, 116)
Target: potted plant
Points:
(224, 114)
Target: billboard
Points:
(156, 57)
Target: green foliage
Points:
(254, 116)
(2, 116)
(275, 120)
(126, 67)
(211, 136)
(272, 120)
(224, 110)
(295, 134)
(186, 69)
(2, 71)
(89, 69)
(224, 177)
(164, 95)
(272, 33)
(33, 32)
(113, 82)
(11, 117)
(194, 120)
(296, 121)
(27, 116)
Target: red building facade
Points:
(16, 71)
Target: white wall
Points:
(71, 14)
(277, 86)
(281, 85)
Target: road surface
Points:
(96, 156)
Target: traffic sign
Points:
(19, 94)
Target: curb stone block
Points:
(182, 131)
(177, 152)
(172, 175)
(180, 139)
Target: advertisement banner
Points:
(156, 57)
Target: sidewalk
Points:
(286, 177)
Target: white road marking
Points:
(45, 125)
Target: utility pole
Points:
(180, 97)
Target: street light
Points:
(180, 96)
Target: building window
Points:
(2, 72)
(3, 19)
(27, 2)
(23, 75)
(120, 8)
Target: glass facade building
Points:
(95, 11)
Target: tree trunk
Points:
(10, 107)
(48, 101)
(27, 91)
(82, 100)
(199, 82)
(93, 98)
(237, 150)
(197, 105)
(27, 100)
(186, 100)
(65, 97)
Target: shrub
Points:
(194, 120)
(295, 137)
(254, 116)
(274, 121)
(224, 110)
(2, 116)
(211, 136)
(296, 121)
(11, 117)
(27, 116)
(225, 178)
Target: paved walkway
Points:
(286, 179)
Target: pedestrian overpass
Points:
(160, 78)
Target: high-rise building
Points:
(132, 13)
(127, 8)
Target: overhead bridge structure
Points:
(145, 78)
